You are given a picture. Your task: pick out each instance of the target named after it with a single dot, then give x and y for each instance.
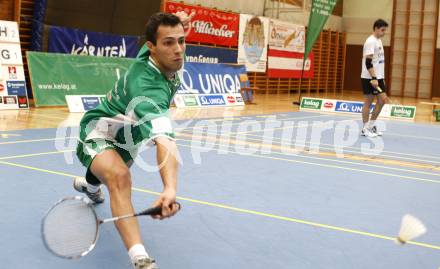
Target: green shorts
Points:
(86, 151)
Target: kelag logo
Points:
(311, 103)
(403, 112)
(212, 100)
(353, 107)
(190, 101)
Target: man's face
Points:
(380, 32)
(170, 47)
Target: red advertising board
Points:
(209, 25)
(286, 64)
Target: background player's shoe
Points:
(374, 130)
(80, 184)
(367, 133)
(145, 263)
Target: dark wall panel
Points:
(7, 10)
(353, 67)
(124, 17)
(436, 82)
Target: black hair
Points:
(380, 23)
(155, 21)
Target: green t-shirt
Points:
(136, 109)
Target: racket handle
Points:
(154, 211)
(379, 89)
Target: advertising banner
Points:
(13, 92)
(55, 75)
(252, 43)
(203, 54)
(78, 42)
(209, 26)
(342, 106)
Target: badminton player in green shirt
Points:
(136, 112)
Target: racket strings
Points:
(70, 228)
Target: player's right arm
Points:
(368, 54)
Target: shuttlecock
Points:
(411, 228)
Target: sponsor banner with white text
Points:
(79, 42)
(343, 106)
(83, 103)
(209, 25)
(208, 100)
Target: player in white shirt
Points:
(373, 77)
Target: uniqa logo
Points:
(204, 100)
(344, 107)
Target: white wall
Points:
(359, 17)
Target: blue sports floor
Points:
(249, 201)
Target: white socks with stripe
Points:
(137, 251)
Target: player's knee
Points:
(119, 179)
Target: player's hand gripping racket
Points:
(70, 228)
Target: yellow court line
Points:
(35, 154)
(246, 211)
(310, 223)
(270, 157)
(238, 123)
(186, 128)
(37, 169)
(323, 165)
(295, 152)
(353, 149)
(286, 127)
(425, 164)
(295, 127)
(279, 153)
(36, 140)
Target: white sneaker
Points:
(374, 130)
(80, 184)
(144, 262)
(368, 133)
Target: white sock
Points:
(93, 188)
(136, 251)
(372, 123)
(366, 124)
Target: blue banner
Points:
(75, 41)
(202, 54)
(353, 107)
(199, 78)
(212, 100)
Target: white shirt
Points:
(373, 46)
